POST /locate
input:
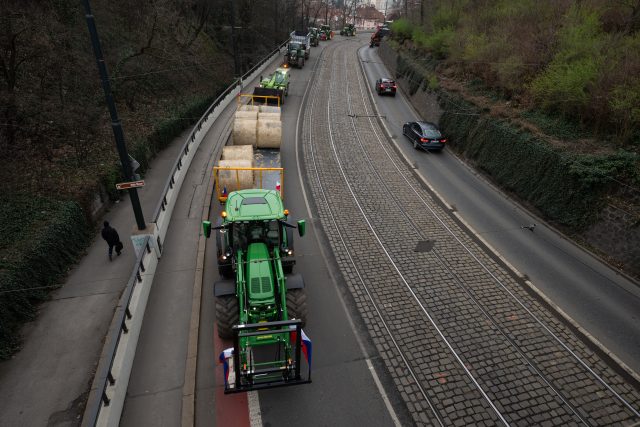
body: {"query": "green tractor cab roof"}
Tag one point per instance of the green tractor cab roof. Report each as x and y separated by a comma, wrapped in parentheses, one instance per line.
(253, 205)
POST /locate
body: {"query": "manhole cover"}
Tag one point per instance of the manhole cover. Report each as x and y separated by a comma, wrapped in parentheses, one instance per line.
(424, 246)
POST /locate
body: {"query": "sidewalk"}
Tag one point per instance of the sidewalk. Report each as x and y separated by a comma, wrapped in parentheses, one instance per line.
(46, 383)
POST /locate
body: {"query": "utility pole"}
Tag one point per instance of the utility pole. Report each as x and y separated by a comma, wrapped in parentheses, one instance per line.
(115, 121)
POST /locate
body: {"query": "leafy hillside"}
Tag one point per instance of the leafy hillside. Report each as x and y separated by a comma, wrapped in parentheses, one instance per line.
(575, 62)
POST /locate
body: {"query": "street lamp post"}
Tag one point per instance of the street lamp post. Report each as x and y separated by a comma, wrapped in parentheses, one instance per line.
(115, 121)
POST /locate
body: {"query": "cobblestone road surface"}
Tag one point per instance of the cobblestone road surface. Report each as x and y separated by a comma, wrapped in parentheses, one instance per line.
(464, 341)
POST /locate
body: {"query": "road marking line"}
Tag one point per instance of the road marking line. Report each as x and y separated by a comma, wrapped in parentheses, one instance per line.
(255, 415)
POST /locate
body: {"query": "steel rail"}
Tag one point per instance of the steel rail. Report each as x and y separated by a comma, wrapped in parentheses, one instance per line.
(378, 132)
(402, 277)
(406, 362)
(316, 89)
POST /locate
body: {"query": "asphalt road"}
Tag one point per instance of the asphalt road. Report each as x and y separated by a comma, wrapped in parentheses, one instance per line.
(601, 300)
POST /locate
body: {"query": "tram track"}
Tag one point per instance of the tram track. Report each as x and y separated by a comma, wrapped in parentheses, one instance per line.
(380, 195)
(380, 137)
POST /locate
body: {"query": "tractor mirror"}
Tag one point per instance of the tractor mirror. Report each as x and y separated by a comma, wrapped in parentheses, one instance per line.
(206, 228)
(302, 227)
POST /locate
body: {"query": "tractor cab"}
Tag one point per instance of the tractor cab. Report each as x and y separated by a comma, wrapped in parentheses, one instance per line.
(281, 76)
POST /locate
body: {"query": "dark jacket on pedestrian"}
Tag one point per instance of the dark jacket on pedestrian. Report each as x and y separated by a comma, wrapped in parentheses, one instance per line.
(110, 234)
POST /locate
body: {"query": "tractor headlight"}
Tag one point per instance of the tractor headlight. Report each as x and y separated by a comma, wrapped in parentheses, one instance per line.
(289, 252)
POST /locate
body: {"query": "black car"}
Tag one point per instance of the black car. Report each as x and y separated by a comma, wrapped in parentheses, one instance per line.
(424, 135)
(386, 87)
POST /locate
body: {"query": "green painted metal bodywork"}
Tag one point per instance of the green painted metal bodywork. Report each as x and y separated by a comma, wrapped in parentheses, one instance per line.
(255, 231)
(278, 80)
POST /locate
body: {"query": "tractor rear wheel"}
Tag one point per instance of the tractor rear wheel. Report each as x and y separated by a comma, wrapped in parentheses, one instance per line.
(297, 305)
(227, 315)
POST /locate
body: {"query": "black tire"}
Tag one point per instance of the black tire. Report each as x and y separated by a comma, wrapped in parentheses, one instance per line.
(297, 305)
(227, 315)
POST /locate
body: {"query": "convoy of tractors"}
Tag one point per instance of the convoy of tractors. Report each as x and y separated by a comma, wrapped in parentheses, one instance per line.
(261, 305)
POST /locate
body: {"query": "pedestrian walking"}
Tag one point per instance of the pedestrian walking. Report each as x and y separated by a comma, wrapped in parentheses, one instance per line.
(113, 240)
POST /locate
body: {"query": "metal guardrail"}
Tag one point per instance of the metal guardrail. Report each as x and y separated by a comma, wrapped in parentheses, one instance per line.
(118, 327)
(104, 377)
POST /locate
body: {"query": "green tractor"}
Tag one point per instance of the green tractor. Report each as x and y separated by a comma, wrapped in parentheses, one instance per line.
(348, 30)
(295, 54)
(325, 32)
(264, 308)
(275, 86)
(314, 36)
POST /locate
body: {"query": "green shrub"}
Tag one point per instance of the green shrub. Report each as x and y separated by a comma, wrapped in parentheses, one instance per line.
(39, 239)
(401, 29)
(555, 125)
(447, 15)
(564, 86)
(431, 83)
(437, 43)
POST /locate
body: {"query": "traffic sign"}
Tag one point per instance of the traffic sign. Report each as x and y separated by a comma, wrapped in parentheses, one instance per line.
(132, 184)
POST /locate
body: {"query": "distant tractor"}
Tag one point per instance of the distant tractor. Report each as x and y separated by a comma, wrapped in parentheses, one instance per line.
(348, 30)
(326, 30)
(304, 38)
(295, 54)
(314, 37)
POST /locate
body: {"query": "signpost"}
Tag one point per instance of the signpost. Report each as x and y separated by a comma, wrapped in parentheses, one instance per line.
(128, 185)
